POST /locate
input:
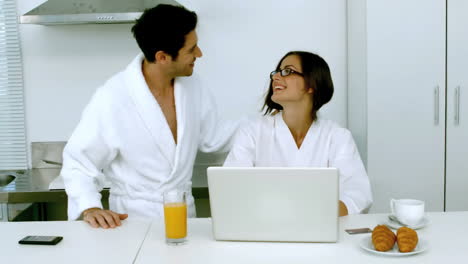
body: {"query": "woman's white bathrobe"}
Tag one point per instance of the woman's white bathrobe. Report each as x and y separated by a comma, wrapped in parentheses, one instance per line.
(268, 142)
(124, 135)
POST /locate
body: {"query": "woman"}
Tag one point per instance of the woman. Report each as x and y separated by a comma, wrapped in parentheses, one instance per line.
(291, 135)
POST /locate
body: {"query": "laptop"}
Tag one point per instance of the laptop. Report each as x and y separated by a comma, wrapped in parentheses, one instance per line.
(279, 204)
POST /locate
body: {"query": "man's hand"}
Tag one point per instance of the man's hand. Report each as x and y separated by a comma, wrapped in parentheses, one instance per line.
(98, 217)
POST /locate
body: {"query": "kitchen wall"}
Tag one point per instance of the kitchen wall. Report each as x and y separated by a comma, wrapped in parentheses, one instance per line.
(357, 74)
(242, 42)
(63, 66)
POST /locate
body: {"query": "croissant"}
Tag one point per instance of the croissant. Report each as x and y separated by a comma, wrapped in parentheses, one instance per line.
(407, 239)
(383, 238)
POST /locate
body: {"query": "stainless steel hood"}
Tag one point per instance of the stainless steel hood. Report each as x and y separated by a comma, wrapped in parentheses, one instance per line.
(69, 12)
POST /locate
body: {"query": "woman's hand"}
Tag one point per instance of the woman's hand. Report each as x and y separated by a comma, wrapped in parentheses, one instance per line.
(98, 217)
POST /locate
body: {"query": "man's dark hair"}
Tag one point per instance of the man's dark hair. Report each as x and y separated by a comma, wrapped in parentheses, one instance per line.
(164, 28)
(316, 76)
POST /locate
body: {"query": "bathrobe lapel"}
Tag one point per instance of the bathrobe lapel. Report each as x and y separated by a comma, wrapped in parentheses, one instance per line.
(149, 111)
(295, 157)
(285, 141)
(181, 109)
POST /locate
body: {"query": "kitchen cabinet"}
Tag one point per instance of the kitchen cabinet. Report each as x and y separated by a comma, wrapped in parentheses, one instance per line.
(18, 212)
(457, 106)
(406, 101)
(417, 53)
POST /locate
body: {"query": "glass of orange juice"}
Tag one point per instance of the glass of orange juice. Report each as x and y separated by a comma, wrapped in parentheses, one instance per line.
(175, 217)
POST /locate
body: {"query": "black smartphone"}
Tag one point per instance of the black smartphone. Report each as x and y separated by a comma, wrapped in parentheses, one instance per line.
(41, 240)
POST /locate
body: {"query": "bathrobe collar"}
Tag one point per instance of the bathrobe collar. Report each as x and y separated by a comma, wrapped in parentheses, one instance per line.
(296, 156)
(150, 112)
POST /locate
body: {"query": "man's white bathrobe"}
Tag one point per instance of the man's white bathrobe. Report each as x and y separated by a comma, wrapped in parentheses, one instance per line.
(268, 142)
(123, 134)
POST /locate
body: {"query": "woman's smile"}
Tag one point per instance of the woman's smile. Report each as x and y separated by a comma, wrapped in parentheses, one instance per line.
(277, 87)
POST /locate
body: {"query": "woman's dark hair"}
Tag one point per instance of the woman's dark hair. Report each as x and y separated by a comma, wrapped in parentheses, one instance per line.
(316, 76)
(164, 28)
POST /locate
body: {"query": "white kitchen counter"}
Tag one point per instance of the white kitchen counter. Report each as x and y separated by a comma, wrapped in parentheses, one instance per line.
(446, 235)
(142, 242)
(81, 243)
(57, 184)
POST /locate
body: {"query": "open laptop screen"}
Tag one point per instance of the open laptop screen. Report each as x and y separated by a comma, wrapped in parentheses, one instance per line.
(274, 203)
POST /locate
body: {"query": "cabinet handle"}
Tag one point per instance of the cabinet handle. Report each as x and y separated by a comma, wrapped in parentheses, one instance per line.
(436, 105)
(457, 106)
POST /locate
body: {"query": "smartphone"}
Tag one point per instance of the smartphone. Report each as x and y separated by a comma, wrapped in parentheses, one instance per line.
(358, 231)
(41, 240)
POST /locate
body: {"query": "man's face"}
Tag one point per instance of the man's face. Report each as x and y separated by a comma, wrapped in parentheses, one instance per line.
(183, 65)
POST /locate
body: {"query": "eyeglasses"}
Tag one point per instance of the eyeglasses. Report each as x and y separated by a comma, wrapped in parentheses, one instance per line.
(285, 72)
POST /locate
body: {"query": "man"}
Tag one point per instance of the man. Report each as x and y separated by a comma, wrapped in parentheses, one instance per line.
(143, 127)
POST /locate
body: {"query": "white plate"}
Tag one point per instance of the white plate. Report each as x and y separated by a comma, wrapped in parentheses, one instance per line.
(396, 225)
(366, 244)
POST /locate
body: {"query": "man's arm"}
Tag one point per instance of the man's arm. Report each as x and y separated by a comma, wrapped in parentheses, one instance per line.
(242, 153)
(216, 134)
(88, 150)
(98, 217)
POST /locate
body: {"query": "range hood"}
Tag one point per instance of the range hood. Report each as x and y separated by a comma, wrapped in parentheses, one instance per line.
(69, 12)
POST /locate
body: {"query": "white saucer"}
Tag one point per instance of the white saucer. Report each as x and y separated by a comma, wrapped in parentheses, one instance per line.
(366, 244)
(395, 225)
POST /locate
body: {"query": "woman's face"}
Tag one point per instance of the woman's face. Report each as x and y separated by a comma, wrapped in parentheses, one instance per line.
(291, 88)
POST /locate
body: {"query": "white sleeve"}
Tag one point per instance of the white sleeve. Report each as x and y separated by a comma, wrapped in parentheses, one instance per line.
(85, 155)
(242, 153)
(215, 134)
(355, 190)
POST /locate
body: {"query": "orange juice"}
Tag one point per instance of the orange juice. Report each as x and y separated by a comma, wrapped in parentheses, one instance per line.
(175, 216)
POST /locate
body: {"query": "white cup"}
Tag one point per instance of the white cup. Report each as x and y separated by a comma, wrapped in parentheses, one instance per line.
(408, 211)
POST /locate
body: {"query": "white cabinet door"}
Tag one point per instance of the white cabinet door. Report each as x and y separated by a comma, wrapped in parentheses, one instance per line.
(406, 101)
(457, 106)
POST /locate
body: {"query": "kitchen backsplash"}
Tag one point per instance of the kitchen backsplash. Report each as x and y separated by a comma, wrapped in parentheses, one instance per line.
(52, 152)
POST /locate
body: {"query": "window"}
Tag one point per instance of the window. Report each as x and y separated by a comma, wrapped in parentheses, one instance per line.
(13, 153)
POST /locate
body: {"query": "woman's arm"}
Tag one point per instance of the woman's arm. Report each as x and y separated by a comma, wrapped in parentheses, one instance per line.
(355, 190)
